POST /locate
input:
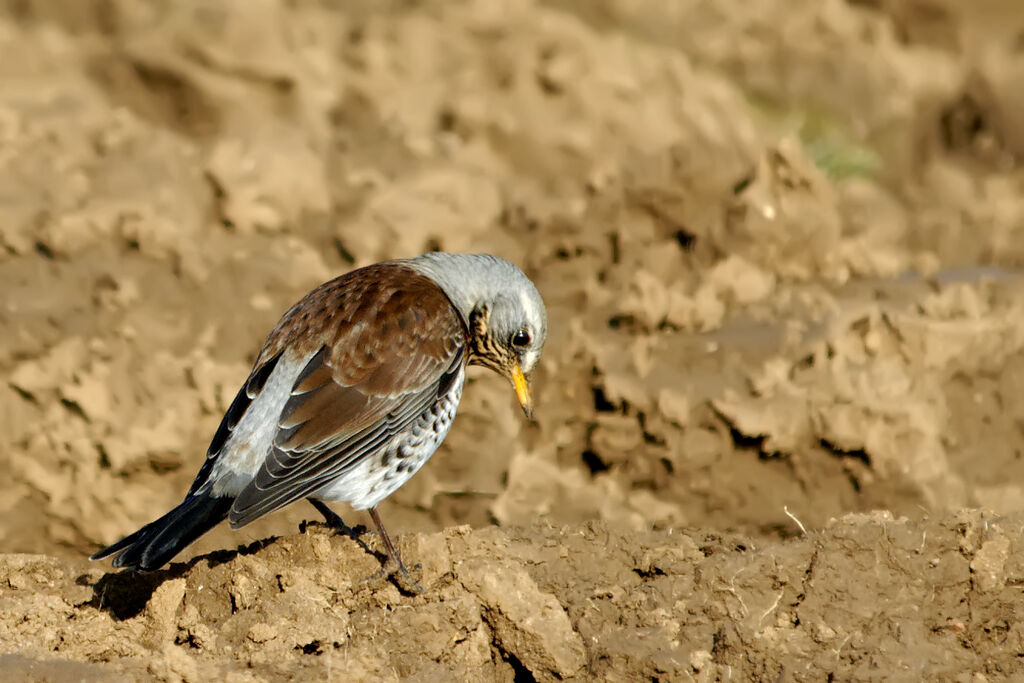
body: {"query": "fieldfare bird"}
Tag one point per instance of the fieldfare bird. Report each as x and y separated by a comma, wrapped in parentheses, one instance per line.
(352, 392)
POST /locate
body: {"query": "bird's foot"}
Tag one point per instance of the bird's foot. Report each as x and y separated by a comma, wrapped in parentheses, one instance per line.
(411, 587)
(403, 579)
(334, 521)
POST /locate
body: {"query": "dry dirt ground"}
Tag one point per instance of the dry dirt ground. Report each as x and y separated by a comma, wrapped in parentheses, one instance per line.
(781, 407)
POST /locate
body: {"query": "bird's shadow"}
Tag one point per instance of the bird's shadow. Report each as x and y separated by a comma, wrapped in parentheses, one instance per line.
(355, 533)
(124, 594)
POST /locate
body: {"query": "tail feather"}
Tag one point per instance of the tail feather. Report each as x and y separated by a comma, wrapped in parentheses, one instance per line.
(155, 544)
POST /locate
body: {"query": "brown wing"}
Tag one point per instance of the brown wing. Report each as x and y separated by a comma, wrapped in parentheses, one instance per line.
(388, 338)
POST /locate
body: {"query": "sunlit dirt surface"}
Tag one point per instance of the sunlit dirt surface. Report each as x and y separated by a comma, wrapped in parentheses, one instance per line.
(779, 423)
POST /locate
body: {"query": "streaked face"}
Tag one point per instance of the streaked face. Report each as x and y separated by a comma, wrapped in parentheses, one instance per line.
(508, 338)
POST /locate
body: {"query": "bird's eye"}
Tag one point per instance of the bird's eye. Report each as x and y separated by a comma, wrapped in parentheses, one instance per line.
(521, 339)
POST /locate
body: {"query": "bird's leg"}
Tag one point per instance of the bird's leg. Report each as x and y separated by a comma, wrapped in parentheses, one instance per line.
(335, 522)
(331, 517)
(388, 545)
(392, 550)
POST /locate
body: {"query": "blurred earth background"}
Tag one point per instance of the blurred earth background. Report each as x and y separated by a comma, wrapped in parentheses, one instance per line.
(780, 410)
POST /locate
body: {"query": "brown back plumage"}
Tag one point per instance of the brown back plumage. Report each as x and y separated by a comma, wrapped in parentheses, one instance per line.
(367, 316)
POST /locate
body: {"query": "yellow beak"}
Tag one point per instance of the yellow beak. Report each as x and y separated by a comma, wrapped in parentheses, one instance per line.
(522, 389)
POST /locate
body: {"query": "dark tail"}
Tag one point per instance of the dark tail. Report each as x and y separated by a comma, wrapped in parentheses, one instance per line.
(155, 544)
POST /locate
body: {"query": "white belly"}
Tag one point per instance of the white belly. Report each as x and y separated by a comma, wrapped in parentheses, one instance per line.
(380, 474)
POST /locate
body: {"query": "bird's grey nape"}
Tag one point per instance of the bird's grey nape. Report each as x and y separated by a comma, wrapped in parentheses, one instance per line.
(471, 279)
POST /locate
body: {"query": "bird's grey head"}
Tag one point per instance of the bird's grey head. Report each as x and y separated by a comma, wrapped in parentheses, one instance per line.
(501, 307)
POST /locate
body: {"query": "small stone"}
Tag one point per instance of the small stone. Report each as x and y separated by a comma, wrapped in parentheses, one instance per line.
(261, 632)
(988, 565)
